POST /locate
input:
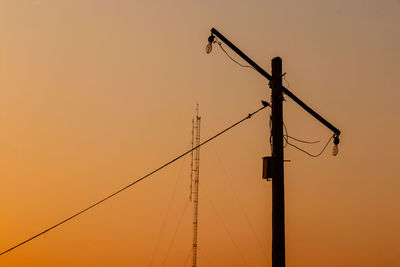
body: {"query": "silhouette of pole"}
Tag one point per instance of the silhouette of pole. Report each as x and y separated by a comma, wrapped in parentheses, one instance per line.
(278, 196)
(278, 192)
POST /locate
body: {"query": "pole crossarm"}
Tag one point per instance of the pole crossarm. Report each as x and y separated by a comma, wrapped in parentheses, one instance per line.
(269, 77)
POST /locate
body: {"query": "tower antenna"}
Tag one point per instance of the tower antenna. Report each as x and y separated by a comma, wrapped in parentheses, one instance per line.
(194, 184)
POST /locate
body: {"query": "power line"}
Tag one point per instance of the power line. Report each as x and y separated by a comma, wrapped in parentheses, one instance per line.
(296, 139)
(131, 184)
(308, 153)
(286, 137)
(231, 58)
(302, 141)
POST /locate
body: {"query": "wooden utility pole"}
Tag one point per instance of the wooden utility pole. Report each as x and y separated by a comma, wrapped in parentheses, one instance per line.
(278, 196)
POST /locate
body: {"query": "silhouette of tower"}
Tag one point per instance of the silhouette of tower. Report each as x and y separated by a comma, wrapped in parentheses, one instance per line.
(194, 177)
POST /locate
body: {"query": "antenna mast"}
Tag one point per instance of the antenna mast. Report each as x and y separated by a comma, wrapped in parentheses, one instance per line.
(194, 192)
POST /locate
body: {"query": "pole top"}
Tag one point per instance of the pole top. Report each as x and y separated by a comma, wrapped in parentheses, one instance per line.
(276, 64)
(277, 60)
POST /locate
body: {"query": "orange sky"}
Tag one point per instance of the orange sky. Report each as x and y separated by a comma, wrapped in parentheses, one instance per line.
(95, 94)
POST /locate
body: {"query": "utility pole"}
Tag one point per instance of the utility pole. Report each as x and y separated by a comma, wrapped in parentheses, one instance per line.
(278, 196)
(276, 161)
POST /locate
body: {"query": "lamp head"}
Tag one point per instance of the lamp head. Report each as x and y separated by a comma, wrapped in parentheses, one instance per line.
(336, 141)
(209, 45)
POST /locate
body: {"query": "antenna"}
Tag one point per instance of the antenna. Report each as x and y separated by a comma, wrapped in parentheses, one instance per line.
(194, 180)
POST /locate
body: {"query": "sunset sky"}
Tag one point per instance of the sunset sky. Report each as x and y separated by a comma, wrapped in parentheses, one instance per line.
(95, 94)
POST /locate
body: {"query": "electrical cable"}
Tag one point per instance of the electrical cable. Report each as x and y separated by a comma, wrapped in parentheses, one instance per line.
(296, 139)
(131, 184)
(308, 153)
(286, 138)
(284, 78)
(302, 141)
(231, 58)
(270, 133)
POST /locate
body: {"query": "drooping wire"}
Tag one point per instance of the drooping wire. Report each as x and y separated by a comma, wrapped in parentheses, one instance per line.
(302, 141)
(296, 139)
(308, 153)
(131, 184)
(286, 138)
(270, 133)
(231, 58)
(284, 78)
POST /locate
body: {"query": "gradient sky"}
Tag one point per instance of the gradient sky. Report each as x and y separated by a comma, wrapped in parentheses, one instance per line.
(95, 94)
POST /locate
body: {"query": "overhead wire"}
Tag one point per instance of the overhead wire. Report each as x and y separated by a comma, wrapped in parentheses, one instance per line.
(308, 153)
(288, 84)
(286, 138)
(131, 184)
(302, 141)
(270, 133)
(231, 58)
(296, 139)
